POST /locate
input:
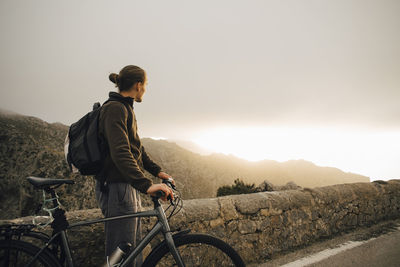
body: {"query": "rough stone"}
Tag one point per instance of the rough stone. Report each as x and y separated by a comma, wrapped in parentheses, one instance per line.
(216, 222)
(261, 224)
(299, 198)
(266, 186)
(201, 209)
(270, 212)
(252, 203)
(228, 209)
(247, 227)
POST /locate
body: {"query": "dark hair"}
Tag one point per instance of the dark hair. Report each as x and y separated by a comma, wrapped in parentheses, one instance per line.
(127, 77)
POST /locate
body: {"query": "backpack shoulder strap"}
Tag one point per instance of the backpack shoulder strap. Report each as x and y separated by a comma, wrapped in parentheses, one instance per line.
(130, 119)
(102, 176)
(128, 108)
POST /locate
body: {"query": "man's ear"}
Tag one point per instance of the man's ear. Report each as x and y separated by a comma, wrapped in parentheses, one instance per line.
(136, 86)
(139, 86)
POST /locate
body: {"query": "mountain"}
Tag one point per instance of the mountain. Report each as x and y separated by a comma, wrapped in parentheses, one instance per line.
(32, 147)
(200, 176)
(191, 146)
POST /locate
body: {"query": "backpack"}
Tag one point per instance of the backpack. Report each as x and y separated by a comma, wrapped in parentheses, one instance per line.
(85, 150)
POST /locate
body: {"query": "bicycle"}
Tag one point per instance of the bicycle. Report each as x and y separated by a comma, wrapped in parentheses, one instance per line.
(178, 249)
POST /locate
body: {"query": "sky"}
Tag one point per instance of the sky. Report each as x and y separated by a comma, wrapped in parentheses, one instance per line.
(287, 79)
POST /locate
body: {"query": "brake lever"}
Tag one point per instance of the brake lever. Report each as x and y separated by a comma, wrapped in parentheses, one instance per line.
(169, 182)
(160, 194)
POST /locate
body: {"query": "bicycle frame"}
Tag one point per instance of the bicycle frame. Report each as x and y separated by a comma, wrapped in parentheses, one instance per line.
(161, 226)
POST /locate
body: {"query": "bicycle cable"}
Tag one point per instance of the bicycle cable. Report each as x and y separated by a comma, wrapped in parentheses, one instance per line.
(44, 207)
(177, 203)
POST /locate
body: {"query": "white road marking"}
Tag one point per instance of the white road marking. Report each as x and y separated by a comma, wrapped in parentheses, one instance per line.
(325, 254)
(317, 257)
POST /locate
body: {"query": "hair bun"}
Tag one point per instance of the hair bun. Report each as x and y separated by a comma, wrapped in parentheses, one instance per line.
(114, 78)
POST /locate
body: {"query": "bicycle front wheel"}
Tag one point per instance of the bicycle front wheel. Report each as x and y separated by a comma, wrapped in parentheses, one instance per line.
(196, 250)
(15, 253)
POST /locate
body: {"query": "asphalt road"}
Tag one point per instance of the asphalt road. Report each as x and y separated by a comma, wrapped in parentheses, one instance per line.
(378, 245)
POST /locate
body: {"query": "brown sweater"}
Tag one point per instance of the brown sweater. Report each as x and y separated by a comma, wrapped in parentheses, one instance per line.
(127, 158)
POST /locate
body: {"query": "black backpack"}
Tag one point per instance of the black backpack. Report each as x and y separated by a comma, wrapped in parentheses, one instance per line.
(85, 150)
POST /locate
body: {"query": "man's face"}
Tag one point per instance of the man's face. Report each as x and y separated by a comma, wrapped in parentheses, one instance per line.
(141, 91)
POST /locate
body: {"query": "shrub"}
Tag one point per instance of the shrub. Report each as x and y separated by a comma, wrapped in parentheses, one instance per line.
(238, 188)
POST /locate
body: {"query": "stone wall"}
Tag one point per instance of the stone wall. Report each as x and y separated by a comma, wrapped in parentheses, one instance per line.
(262, 224)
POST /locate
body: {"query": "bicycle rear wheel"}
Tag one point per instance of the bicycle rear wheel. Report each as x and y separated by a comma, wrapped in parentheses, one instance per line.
(196, 250)
(15, 253)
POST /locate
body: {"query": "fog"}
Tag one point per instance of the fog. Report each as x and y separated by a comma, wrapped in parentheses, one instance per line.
(244, 64)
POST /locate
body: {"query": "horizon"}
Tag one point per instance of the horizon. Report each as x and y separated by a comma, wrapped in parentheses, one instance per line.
(197, 146)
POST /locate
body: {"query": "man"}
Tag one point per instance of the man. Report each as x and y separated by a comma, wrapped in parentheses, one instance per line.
(122, 175)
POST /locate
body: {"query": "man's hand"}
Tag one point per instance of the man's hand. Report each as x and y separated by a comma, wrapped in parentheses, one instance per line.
(153, 189)
(165, 176)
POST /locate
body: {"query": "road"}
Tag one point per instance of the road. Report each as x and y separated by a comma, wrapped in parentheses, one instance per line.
(378, 245)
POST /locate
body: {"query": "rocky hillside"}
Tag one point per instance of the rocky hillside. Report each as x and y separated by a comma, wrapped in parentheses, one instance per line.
(200, 176)
(32, 147)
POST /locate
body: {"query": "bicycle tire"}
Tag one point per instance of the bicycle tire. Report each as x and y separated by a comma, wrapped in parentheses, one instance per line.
(16, 253)
(196, 250)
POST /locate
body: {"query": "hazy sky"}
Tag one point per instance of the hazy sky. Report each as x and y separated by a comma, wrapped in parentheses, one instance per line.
(325, 74)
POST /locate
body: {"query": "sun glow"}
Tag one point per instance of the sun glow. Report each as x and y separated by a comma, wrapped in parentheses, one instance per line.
(158, 138)
(368, 153)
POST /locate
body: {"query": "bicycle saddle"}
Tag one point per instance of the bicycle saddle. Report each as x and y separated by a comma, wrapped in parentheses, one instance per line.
(47, 182)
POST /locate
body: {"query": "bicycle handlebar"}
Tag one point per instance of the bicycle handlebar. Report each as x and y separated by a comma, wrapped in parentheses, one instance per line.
(168, 182)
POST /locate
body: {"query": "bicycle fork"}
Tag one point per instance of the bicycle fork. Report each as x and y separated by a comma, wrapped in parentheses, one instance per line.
(174, 251)
(168, 237)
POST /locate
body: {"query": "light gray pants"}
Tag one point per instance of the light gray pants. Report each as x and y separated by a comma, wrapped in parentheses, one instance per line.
(120, 199)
